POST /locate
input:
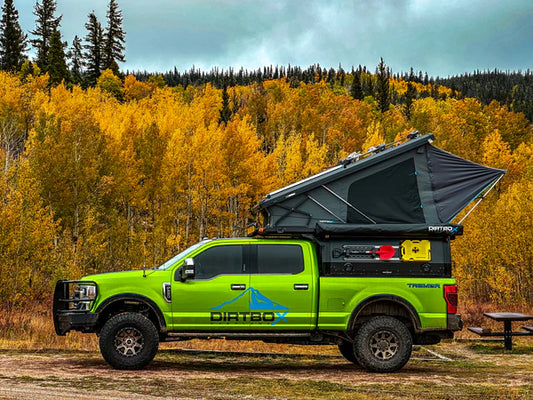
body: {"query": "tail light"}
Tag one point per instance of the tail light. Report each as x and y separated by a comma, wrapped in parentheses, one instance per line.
(450, 295)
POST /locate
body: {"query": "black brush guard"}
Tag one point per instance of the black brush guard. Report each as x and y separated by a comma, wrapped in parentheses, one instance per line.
(67, 309)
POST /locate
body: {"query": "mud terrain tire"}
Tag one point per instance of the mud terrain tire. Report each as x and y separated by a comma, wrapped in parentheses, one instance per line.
(129, 341)
(383, 344)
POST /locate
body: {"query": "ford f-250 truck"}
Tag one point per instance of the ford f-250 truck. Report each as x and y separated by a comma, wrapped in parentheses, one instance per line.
(358, 256)
(265, 289)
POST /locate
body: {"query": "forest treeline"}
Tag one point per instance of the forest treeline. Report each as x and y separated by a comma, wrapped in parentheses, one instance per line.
(103, 47)
(511, 88)
(130, 173)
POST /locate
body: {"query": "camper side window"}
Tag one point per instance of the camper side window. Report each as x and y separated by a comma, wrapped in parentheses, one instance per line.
(279, 259)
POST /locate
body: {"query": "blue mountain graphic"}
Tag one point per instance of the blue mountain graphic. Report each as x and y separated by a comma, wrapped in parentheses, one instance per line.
(231, 301)
(257, 301)
(260, 302)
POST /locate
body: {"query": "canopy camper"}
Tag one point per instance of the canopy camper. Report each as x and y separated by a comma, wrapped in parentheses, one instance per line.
(411, 187)
(385, 213)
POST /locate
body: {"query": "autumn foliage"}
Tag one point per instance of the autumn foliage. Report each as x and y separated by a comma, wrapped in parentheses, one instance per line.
(130, 173)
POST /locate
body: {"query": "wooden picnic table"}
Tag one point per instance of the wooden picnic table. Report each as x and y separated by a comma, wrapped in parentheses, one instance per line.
(507, 318)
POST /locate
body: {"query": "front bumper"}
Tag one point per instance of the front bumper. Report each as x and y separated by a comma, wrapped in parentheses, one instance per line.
(72, 312)
(76, 321)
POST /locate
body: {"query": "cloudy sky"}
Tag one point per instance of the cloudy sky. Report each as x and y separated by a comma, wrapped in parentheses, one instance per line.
(442, 37)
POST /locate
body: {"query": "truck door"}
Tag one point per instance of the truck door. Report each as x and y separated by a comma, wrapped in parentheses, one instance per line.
(281, 287)
(217, 297)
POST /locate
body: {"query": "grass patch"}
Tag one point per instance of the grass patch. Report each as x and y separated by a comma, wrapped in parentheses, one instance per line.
(253, 387)
(29, 378)
(497, 348)
(216, 375)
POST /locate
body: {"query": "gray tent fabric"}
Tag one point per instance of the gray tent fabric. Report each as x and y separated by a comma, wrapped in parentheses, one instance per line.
(411, 183)
(456, 181)
(393, 188)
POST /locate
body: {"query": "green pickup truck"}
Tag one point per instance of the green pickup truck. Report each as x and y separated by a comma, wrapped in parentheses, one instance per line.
(261, 289)
(357, 256)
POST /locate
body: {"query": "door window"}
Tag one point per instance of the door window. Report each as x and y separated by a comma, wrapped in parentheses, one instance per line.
(279, 259)
(219, 260)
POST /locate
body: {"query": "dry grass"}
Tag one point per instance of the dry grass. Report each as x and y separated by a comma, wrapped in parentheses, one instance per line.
(23, 330)
(32, 329)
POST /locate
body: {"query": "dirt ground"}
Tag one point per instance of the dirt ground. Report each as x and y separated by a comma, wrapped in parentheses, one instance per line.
(454, 370)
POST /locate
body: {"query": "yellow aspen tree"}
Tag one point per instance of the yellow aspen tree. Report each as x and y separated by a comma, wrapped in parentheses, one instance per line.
(28, 262)
(374, 136)
(315, 157)
(496, 152)
(135, 90)
(110, 83)
(67, 152)
(247, 171)
(294, 161)
(207, 180)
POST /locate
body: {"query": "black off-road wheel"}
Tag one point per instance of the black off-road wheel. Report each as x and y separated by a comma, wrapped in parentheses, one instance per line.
(383, 344)
(346, 349)
(129, 341)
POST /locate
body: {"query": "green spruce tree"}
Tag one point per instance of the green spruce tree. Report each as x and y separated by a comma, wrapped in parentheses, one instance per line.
(225, 112)
(12, 39)
(356, 91)
(331, 78)
(57, 66)
(75, 56)
(382, 86)
(114, 39)
(341, 75)
(93, 54)
(46, 25)
(409, 98)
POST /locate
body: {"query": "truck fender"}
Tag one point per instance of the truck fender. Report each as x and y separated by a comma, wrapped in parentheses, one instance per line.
(108, 303)
(404, 304)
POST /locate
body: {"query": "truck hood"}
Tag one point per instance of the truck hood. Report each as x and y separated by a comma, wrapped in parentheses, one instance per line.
(123, 275)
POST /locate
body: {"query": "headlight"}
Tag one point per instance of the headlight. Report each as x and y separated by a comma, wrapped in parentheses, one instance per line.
(85, 293)
(88, 291)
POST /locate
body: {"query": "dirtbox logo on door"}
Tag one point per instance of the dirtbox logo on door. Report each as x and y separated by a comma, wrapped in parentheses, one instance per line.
(262, 309)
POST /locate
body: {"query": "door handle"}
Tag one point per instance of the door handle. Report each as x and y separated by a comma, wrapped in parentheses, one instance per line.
(301, 286)
(238, 287)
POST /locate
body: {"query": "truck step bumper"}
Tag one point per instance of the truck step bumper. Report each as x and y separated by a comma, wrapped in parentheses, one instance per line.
(67, 321)
(455, 323)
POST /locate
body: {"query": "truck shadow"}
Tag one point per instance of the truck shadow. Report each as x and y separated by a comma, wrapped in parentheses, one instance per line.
(228, 363)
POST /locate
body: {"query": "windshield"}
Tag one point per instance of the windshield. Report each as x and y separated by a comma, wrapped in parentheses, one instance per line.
(183, 254)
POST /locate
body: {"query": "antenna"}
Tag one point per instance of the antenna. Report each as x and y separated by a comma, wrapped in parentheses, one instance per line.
(144, 259)
(144, 251)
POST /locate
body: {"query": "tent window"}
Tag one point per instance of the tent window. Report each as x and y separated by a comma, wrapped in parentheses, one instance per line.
(387, 196)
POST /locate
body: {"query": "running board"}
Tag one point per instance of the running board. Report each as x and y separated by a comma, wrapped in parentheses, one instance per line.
(231, 335)
(269, 337)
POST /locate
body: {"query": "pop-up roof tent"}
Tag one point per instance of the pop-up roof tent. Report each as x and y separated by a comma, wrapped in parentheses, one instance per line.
(409, 187)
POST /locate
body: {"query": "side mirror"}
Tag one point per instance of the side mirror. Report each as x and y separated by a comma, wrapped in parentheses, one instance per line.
(187, 270)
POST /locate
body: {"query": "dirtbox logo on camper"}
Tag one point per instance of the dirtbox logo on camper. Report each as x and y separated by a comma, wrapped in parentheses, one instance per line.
(262, 309)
